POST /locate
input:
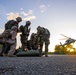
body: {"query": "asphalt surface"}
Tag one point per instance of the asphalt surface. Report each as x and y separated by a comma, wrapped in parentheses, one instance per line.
(52, 65)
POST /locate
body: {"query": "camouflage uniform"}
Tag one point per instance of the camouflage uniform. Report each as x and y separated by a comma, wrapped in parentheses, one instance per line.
(25, 33)
(43, 38)
(11, 23)
(34, 42)
(24, 41)
(12, 41)
(3, 40)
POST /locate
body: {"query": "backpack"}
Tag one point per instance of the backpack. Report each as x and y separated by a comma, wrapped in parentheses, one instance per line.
(6, 34)
(9, 24)
(47, 32)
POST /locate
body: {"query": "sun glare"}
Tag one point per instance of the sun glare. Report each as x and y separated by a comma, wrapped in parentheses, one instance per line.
(71, 50)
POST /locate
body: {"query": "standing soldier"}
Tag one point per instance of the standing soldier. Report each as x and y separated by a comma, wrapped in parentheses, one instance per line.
(25, 33)
(43, 38)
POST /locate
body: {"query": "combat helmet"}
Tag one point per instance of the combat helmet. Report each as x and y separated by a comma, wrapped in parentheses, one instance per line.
(19, 19)
(38, 27)
(28, 22)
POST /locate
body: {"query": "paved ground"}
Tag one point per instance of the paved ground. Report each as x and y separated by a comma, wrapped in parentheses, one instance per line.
(52, 65)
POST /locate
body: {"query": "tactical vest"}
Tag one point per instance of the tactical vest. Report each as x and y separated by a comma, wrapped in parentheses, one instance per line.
(10, 23)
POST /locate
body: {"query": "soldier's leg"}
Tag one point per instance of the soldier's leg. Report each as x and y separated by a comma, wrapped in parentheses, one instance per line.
(46, 50)
(22, 42)
(2, 51)
(47, 42)
(29, 45)
(2, 47)
(23, 46)
(12, 50)
(7, 48)
(40, 50)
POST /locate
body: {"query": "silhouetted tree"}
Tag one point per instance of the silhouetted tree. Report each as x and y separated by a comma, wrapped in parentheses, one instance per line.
(59, 49)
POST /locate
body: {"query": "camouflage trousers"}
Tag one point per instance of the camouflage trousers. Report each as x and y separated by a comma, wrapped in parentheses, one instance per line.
(3, 42)
(41, 47)
(12, 49)
(24, 46)
(24, 41)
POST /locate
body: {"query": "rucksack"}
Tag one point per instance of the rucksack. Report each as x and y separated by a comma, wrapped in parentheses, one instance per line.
(47, 32)
(9, 24)
(6, 34)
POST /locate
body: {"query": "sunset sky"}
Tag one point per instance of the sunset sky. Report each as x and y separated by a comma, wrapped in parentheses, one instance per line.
(59, 16)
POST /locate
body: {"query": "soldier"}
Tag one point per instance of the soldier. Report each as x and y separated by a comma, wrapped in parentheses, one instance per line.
(43, 38)
(34, 42)
(11, 23)
(25, 33)
(9, 41)
(12, 41)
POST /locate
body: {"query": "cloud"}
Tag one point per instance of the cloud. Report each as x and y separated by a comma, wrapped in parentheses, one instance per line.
(29, 18)
(43, 8)
(30, 12)
(12, 15)
(28, 15)
(25, 15)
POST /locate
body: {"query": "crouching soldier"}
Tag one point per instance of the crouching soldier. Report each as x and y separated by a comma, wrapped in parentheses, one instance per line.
(43, 38)
(12, 41)
(3, 40)
(8, 40)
